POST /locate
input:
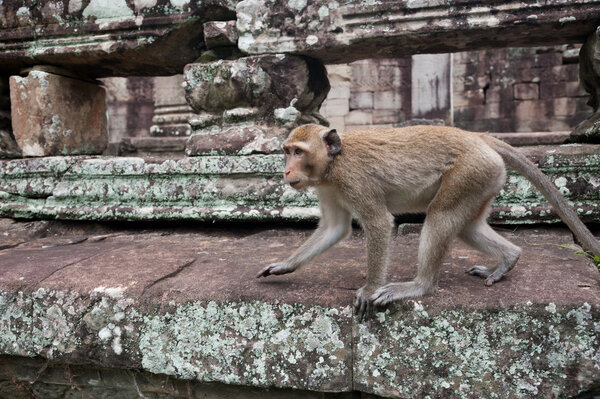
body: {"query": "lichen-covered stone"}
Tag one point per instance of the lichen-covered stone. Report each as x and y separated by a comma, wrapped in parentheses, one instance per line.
(197, 313)
(237, 140)
(248, 187)
(106, 37)
(220, 34)
(343, 31)
(266, 82)
(57, 115)
(247, 105)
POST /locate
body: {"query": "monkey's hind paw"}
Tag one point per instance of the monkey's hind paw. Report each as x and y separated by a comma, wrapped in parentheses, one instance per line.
(275, 268)
(479, 271)
(490, 276)
(395, 291)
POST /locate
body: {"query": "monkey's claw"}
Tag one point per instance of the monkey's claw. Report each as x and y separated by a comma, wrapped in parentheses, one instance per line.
(363, 306)
(274, 268)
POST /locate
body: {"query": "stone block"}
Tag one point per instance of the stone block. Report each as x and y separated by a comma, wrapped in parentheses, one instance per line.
(339, 90)
(335, 107)
(266, 82)
(526, 91)
(469, 98)
(339, 72)
(237, 140)
(387, 100)
(529, 75)
(337, 122)
(220, 34)
(58, 115)
(357, 117)
(364, 76)
(361, 100)
(562, 89)
(387, 116)
(531, 109)
(564, 106)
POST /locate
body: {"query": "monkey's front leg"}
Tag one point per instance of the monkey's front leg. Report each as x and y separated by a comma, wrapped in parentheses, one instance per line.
(378, 230)
(334, 226)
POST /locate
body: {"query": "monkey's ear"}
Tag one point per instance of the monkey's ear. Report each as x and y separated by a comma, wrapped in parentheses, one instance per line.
(333, 143)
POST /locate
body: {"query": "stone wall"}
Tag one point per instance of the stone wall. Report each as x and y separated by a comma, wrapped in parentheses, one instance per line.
(500, 90)
(130, 104)
(375, 93)
(518, 90)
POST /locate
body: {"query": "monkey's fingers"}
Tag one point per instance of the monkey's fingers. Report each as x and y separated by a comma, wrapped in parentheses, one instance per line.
(275, 268)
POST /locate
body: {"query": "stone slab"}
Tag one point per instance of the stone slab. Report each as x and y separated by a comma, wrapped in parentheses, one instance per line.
(236, 188)
(340, 32)
(184, 302)
(57, 115)
(106, 38)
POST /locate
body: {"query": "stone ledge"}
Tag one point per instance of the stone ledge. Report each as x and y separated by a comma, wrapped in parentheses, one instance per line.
(196, 312)
(244, 188)
(343, 32)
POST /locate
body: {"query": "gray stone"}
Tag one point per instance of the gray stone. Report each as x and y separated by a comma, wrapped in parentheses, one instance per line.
(220, 34)
(339, 32)
(257, 81)
(249, 187)
(248, 105)
(57, 115)
(100, 38)
(82, 308)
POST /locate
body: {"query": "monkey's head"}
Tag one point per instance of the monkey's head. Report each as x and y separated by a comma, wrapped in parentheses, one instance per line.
(308, 151)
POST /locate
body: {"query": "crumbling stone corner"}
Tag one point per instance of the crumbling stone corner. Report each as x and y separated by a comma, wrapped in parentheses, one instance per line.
(247, 105)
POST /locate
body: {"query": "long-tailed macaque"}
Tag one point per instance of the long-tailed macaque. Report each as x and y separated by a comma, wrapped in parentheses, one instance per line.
(450, 174)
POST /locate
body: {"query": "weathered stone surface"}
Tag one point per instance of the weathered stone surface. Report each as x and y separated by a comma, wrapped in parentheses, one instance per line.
(244, 188)
(341, 32)
(106, 38)
(247, 104)
(533, 334)
(53, 115)
(171, 113)
(21, 377)
(589, 72)
(130, 104)
(220, 34)
(237, 140)
(266, 82)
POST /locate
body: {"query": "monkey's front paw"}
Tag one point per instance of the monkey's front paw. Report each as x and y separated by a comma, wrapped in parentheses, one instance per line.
(363, 305)
(394, 291)
(275, 268)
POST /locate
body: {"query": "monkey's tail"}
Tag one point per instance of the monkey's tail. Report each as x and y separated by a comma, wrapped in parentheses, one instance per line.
(524, 166)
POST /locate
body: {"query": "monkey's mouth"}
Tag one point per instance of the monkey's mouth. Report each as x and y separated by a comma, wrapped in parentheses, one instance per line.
(294, 183)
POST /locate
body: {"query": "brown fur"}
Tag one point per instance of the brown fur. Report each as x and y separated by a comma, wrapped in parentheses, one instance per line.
(450, 174)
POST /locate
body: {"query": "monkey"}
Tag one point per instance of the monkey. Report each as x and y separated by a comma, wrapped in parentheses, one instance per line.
(449, 174)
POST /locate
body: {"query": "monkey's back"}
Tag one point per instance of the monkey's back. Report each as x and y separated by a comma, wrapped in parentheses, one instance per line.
(409, 162)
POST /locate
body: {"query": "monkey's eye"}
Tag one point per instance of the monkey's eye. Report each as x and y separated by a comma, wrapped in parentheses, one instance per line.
(286, 151)
(298, 151)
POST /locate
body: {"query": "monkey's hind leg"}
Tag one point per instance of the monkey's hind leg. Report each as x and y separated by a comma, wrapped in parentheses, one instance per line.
(436, 235)
(482, 237)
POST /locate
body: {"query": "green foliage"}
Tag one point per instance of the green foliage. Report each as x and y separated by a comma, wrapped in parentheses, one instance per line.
(594, 258)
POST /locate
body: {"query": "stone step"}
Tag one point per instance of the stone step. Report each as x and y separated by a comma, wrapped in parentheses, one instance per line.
(237, 188)
(185, 303)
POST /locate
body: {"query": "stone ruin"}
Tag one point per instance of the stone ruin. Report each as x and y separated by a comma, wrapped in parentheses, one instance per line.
(253, 70)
